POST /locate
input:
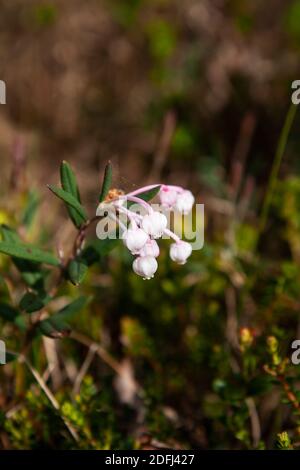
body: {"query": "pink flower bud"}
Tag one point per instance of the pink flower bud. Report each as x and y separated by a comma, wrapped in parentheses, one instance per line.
(180, 251)
(184, 202)
(145, 266)
(154, 224)
(135, 239)
(168, 197)
(150, 248)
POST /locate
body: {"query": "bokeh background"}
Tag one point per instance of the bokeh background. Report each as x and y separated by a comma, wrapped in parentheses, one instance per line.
(189, 92)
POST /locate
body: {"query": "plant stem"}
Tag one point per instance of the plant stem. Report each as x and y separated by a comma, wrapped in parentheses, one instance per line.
(23, 359)
(281, 147)
(81, 235)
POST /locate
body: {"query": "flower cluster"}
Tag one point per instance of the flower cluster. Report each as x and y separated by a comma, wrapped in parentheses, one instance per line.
(143, 231)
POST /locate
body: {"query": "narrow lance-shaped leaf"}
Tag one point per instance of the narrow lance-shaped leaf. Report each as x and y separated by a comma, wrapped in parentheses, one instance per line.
(107, 180)
(32, 302)
(12, 315)
(56, 326)
(31, 208)
(31, 272)
(68, 180)
(67, 312)
(77, 270)
(69, 184)
(69, 200)
(28, 252)
(146, 195)
(150, 194)
(10, 357)
(97, 249)
(8, 234)
(7, 312)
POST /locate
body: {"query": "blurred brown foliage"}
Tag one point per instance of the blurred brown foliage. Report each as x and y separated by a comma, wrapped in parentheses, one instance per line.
(93, 80)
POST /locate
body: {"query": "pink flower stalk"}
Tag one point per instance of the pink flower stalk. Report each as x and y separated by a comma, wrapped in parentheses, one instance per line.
(152, 186)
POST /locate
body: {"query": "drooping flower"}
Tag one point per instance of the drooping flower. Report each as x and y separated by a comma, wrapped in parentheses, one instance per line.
(154, 224)
(184, 202)
(140, 237)
(168, 197)
(135, 239)
(145, 266)
(150, 248)
(180, 251)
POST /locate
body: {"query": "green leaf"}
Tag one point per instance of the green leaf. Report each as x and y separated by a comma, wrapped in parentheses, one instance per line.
(32, 302)
(68, 180)
(67, 312)
(98, 249)
(11, 314)
(146, 195)
(107, 180)
(54, 328)
(150, 194)
(21, 323)
(90, 255)
(31, 208)
(77, 270)
(259, 385)
(7, 312)
(10, 357)
(69, 184)
(103, 247)
(8, 234)
(69, 200)
(31, 272)
(28, 252)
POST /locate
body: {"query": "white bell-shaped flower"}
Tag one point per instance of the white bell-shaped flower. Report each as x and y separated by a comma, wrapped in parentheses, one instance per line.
(184, 202)
(180, 251)
(154, 224)
(150, 248)
(168, 197)
(145, 266)
(135, 239)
